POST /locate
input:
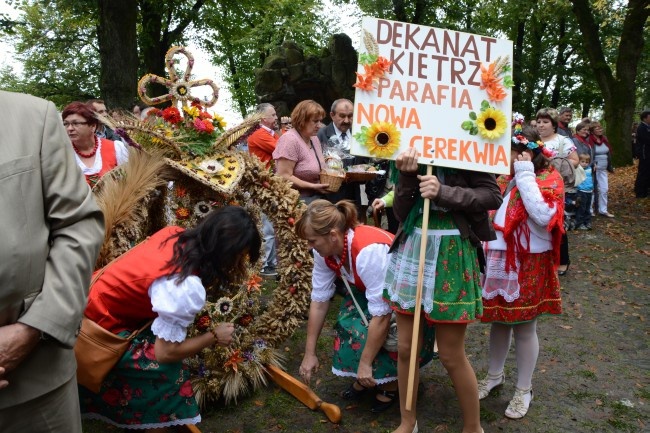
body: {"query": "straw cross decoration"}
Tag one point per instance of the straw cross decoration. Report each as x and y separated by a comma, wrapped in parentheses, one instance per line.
(179, 88)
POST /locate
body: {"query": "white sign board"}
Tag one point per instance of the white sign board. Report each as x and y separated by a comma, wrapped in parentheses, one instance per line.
(445, 93)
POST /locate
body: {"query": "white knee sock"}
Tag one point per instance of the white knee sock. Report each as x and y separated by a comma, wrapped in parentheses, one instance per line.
(527, 350)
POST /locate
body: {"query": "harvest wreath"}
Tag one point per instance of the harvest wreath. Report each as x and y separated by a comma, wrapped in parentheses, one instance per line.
(138, 199)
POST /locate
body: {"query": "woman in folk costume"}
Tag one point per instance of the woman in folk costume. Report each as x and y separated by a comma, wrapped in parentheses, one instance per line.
(165, 278)
(359, 254)
(95, 156)
(521, 281)
(459, 201)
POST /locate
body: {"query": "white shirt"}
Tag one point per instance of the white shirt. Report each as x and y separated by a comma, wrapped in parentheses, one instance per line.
(176, 305)
(121, 154)
(371, 265)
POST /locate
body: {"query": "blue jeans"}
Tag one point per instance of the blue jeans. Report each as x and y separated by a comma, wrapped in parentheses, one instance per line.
(268, 233)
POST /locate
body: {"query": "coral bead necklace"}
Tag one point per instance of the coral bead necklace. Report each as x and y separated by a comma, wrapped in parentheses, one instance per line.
(91, 153)
(331, 262)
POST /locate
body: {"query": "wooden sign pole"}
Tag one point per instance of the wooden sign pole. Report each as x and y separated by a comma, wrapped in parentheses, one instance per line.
(414, 359)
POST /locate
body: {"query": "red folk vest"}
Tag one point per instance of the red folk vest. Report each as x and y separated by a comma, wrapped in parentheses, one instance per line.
(109, 161)
(119, 299)
(364, 236)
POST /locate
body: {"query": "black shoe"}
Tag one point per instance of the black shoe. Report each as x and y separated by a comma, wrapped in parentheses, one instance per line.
(351, 393)
(563, 273)
(381, 406)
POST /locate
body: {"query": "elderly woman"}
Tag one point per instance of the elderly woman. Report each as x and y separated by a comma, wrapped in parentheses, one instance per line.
(95, 156)
(298, 154)
(358, 253)
(165, 278)
(547, 122)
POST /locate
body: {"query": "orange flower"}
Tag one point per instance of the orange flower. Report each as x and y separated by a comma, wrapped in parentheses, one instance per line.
(181, 192)
(234, 360)
(383, 63)
(182, 213)
(364, 82)
(209, 127)
(488, 78)
(254, 283)
(496, 93)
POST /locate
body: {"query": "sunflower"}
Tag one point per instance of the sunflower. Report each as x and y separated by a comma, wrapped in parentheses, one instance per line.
(491, 123)
(382, 139)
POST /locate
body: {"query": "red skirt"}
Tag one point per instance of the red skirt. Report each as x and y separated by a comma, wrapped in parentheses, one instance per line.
(539, 293)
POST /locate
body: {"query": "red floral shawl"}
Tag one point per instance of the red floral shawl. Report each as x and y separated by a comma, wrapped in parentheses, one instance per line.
(552, 189)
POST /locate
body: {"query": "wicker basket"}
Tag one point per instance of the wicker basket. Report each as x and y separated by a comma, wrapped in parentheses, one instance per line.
(334, 180)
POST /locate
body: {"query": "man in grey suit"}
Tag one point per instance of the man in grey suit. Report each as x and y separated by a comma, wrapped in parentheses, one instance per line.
(51, 231)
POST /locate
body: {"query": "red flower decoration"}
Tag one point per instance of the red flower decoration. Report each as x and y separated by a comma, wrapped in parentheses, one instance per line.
(204, 323)
(172, 115)
(112, 397)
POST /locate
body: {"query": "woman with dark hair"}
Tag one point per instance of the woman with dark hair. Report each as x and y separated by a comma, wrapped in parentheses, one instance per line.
(547, 122)
(298, 153)
(345, 248)
(165, 279)
(520, 282)
(95, 156)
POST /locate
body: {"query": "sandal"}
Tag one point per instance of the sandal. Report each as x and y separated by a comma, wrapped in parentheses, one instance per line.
(351, 393)
(381, 406)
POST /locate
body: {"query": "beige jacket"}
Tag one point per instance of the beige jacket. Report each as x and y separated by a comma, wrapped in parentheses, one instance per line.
(50, 230)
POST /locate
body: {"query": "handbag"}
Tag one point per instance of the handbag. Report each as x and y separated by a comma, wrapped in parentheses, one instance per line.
(390, 344)
(97, 351)
(566, 169)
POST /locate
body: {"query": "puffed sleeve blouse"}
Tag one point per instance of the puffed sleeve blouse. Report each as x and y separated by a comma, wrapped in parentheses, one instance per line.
(371, 264)
(176, 305)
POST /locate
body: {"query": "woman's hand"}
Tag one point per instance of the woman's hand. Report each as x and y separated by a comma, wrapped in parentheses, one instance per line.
(364, 375)
(524, 156)
(378, 204)
(407, 161)
(309, 364)
(429, 186)
(223, 333)
(320, 188)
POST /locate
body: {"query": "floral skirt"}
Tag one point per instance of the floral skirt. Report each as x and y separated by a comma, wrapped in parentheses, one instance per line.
(350, 340)
(510, 297)
(451, 291)
(140, 393)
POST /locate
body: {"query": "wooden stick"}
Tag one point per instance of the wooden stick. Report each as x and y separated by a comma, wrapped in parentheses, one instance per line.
(303, 393)
(414, 359)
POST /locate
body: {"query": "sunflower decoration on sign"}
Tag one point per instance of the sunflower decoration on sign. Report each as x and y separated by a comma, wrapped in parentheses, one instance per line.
(490, 123)
(382, 139)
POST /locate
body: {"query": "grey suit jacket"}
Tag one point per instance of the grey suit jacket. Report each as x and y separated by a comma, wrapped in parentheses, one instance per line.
(51, 230)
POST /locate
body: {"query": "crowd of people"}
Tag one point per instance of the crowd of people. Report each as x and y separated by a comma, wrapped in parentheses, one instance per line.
(495, 249)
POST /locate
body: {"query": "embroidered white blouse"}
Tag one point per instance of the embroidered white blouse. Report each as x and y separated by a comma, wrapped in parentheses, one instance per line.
(176, 305)
(539, 212)
(371, 265)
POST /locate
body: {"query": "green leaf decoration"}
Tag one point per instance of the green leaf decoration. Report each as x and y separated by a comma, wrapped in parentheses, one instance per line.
(474, 130)
(484, 105)
(508, 81)
(467, 125)
(472, 115)
(367, 59)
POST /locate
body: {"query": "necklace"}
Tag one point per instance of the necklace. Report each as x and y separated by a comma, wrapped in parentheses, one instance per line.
(331, 262)
(91, 153)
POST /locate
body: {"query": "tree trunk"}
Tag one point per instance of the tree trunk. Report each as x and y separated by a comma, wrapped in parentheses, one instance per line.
(118, 52)
(618, 91)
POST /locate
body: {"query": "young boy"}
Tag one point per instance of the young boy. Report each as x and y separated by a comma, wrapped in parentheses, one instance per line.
(584, 193)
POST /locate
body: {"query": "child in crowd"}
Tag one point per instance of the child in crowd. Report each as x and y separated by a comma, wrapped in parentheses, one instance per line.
(584, 195)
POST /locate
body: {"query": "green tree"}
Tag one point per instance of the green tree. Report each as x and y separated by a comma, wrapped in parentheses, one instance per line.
(618, 86)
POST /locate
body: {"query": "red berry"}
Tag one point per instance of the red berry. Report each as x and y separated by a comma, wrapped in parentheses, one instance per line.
(292, 290)
(291, 221)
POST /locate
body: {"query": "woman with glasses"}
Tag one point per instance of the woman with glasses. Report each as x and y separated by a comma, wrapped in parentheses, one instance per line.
(95, 156)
